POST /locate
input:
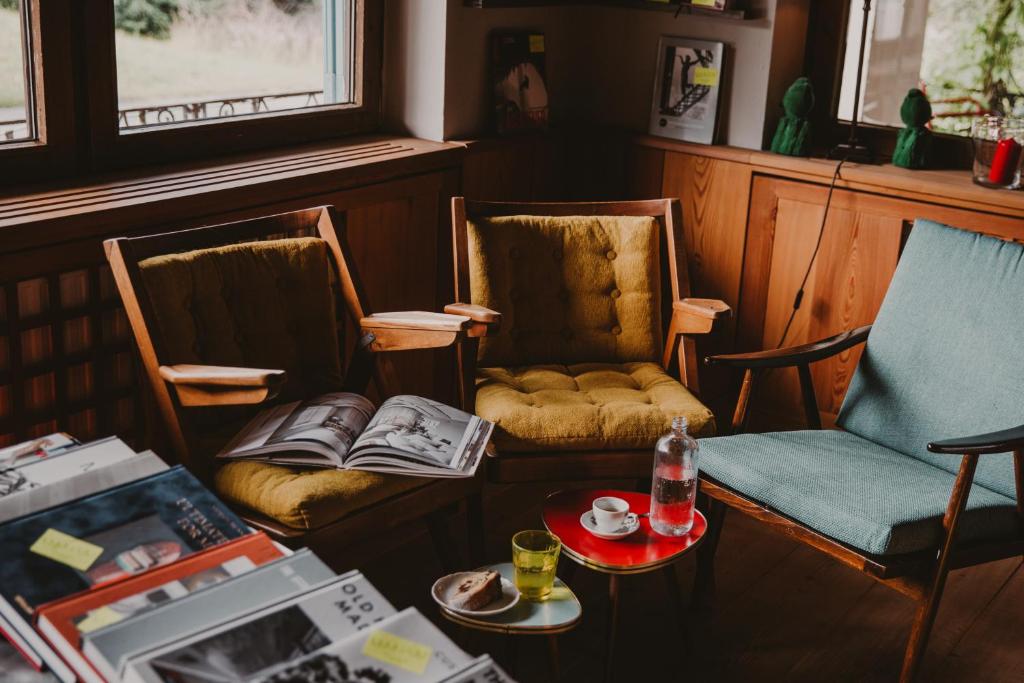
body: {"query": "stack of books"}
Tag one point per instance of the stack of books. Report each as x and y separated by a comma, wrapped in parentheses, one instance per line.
(117, 567)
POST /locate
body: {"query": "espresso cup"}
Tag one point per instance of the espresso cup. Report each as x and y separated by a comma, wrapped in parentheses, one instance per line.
(609, 512)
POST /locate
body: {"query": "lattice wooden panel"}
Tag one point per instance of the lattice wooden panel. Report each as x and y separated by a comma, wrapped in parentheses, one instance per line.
(66, 362)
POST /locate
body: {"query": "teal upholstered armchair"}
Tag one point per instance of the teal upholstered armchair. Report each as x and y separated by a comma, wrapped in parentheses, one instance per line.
(901, 492)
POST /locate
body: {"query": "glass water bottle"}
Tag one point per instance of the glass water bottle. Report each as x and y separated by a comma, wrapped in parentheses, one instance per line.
(674, 484)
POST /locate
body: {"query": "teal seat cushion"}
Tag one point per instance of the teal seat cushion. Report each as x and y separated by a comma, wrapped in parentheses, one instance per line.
(860, 493)
(945, 357)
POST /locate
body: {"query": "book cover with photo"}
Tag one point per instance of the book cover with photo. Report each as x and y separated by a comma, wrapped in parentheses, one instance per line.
(687, 85)
(64, 621)
(33, 483)
(406, 435)
(518, 68)
(108, 648)
(63, 550)
(241, 648)
(403, 648)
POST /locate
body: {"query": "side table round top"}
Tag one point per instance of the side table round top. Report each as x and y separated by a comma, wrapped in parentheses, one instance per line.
(642, 551)
(559, 613)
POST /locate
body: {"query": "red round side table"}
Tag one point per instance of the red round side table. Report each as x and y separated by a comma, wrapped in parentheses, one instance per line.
(642, 551)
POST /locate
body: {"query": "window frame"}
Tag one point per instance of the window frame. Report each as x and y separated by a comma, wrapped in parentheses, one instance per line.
(51, 151)
(824, 54)
(110, 147)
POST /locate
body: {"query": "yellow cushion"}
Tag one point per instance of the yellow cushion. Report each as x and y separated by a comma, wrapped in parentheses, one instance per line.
(585, 406)
(306, 499)
(258, 304)
(570, 289)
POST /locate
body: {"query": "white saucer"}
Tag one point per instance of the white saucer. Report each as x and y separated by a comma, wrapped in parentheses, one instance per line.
(630, 524)
(445, 587)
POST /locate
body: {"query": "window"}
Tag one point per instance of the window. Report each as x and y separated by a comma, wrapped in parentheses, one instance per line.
(17, 115)
(89, 85)
(181, 61)
(968, 57)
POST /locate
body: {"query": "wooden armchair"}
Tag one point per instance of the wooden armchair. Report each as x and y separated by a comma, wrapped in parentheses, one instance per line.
(228, 319)
(596, 314)
(886, 495)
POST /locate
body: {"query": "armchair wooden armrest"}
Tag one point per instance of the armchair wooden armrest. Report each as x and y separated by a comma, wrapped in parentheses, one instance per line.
(697, 316)
(478, 314)
(992, 442)
(216, 385)
(794, 355)
(407, 330)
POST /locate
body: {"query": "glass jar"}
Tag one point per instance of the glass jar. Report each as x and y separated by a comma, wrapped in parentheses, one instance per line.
(674, 482)
(998, 143)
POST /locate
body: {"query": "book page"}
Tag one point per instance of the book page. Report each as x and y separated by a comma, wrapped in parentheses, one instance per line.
(332, 421)
(420, 429)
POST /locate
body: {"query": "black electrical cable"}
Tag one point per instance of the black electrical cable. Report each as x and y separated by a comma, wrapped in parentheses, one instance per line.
(798, 299)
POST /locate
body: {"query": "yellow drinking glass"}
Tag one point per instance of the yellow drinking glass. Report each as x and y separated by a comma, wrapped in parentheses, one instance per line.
(535, 558)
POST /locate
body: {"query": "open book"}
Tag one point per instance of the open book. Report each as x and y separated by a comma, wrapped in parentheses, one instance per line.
(406, 435)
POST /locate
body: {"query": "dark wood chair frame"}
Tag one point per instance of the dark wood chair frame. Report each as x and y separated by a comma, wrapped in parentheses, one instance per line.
(181, 389)
(687, 317)
(920, 576)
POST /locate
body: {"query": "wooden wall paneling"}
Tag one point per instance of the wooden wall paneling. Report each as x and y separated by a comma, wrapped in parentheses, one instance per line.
(863, 238)
(645, 168)
(714, 194)
(500, 170)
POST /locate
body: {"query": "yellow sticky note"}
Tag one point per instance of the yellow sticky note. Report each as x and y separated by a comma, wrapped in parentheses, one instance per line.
(705, 3)
(705, 75)
(401, 652)
(98, 618)
(66, 549)
(536, 42)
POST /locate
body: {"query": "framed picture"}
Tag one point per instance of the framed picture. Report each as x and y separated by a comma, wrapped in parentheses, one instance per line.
(687, 85)
(518, 81)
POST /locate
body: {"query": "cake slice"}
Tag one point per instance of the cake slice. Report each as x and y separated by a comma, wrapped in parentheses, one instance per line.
(476, 591)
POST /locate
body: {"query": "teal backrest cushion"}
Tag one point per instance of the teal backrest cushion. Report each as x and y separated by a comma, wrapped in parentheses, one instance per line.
(945, 357)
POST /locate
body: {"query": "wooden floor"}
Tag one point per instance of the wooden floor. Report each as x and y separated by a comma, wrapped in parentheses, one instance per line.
(783, 612)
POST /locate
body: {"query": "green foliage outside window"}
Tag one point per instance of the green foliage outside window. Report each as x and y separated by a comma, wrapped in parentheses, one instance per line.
(151, 18)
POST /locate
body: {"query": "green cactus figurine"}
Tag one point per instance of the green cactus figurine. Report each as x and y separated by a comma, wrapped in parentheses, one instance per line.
(792, 136)
(914, 141)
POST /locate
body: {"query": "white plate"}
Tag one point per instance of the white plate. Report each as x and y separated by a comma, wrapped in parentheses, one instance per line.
(630, 524)
(445, 587)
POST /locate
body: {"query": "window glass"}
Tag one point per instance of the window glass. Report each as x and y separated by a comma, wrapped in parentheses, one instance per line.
(968, 57)
(180, 61)
(16, 115)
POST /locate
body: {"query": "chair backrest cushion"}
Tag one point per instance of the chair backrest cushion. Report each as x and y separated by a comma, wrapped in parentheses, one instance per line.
(945, 357)
(258, 304)
(571, 289)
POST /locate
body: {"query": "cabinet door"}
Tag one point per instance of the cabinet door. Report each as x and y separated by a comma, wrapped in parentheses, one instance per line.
(860, 245)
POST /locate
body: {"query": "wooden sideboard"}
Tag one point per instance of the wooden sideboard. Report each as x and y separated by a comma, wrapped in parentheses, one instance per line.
(751, 221)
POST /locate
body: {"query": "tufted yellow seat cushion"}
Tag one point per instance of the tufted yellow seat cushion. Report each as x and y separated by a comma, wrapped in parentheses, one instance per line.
(601, 406)
(570, 288)
(307, 499)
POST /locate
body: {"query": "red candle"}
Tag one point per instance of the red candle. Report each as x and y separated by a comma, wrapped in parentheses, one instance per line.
(1004, 162)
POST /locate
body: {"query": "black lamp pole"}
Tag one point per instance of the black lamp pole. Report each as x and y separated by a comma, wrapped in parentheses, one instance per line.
(853, 149)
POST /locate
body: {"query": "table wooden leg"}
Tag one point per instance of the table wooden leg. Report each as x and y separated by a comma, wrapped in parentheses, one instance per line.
(676, 598)
(568, 569)
(613, 618)
(554, 661)
(512, 654)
